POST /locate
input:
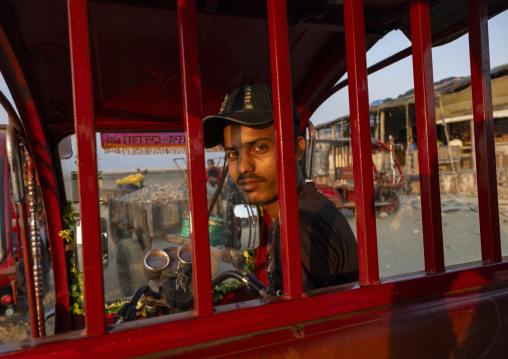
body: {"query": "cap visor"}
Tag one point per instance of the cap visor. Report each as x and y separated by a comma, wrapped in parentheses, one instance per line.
(213, 126)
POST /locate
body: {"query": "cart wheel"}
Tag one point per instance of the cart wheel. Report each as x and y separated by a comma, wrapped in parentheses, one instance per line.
(392, 208)
(129, 266)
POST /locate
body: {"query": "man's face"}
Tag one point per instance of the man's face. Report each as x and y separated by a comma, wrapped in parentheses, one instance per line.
(252, 163)
(213, 180)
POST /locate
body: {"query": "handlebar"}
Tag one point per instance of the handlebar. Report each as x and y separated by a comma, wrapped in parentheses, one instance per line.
(128, 311)
(175, 297)
(250, 281)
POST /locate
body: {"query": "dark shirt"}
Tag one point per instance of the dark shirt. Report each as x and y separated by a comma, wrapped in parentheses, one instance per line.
(327, 243)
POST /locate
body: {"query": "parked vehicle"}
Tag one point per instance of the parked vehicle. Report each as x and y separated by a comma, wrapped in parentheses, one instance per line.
(333, 174)
(80, 67)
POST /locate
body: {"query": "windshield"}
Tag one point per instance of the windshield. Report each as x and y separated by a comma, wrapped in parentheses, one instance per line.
(144, 198)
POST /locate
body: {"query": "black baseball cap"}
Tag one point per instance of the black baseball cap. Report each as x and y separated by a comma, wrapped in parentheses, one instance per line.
(247, 105)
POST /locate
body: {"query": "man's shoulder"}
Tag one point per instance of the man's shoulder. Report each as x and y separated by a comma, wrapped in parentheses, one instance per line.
(309, 199)
(317, 213)
(314, 207)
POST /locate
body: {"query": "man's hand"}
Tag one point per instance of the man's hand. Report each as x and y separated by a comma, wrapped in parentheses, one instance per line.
(226, 254)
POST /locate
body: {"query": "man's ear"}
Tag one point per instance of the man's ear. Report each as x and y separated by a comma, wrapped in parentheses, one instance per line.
(299, 148)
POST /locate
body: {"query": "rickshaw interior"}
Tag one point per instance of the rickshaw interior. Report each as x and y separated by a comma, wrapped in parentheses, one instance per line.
(130, 82)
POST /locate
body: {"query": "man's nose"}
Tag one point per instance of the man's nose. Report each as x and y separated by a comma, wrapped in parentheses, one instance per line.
(245, 163)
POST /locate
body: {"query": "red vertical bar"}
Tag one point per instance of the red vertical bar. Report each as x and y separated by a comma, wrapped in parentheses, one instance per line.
(192, 112)
(86, 155)
(286, 168)
(427, 141)
(361, 141)
(484, 130)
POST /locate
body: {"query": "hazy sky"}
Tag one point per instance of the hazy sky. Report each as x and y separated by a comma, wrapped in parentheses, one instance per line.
(448, 60)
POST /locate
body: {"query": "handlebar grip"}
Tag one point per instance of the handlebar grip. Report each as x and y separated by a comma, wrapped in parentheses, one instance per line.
(254, 283)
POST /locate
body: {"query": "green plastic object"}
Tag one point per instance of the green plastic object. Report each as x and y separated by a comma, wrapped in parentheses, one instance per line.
(216, 230)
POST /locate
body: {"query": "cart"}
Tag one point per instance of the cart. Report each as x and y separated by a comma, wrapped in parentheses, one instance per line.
(333, 171)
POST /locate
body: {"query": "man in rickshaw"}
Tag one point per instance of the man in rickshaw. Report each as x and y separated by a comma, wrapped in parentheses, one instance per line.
(245, 127)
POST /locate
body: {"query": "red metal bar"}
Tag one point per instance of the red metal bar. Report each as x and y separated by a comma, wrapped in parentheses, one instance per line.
(286, 168)
(45, 170)
(84, 126)
(361, 141)
(484, 130)
(193, 115)
(427, 141)
(46, 180)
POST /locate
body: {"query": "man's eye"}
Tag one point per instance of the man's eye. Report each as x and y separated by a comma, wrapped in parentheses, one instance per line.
(231, 155)
(260, 148)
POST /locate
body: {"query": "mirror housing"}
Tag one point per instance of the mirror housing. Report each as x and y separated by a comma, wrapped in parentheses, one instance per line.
(65, 148)
(247, 229)
(79, 243)
(308, 163)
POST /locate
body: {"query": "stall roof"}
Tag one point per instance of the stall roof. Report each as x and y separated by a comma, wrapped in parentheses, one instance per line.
(441, 88)
(455, 96)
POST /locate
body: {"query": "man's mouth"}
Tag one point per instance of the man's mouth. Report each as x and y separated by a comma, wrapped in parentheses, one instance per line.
(249, 184)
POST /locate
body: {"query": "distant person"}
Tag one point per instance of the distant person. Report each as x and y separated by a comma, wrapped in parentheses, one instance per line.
(455, 141)
(412, 147)
(211, 164)
(213, 180)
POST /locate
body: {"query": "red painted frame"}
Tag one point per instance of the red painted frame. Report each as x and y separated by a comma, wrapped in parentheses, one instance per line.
(286, 168)
(43, 162)
(193, 115)
(484, 130)
(185, 329)
(361, 142)
(84, 126)
(427, 140)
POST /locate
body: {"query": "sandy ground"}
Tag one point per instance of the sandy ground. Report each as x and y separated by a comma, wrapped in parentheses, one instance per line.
(400, 248)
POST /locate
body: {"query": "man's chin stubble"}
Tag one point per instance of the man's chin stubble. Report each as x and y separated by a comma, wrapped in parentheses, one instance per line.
(248, 200)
